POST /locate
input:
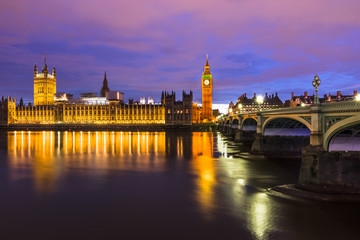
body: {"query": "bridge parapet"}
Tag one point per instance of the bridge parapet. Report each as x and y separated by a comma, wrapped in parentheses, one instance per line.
(341, 106)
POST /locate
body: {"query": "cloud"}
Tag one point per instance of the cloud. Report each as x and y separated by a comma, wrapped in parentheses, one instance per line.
(147, 46)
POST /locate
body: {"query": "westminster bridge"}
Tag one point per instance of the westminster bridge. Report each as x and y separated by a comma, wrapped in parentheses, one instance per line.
(326, 135)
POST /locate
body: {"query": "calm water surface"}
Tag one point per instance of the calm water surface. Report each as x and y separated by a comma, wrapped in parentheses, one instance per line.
(122, 185)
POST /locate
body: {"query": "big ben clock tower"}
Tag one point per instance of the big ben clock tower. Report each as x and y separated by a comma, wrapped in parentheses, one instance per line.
(206, 87)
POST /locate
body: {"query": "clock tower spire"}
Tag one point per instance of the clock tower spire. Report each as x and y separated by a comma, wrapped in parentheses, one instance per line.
(206, 89)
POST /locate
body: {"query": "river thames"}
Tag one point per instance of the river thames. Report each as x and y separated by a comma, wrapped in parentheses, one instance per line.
(154, 185)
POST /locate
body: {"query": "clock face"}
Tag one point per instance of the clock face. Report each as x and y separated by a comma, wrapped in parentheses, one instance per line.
(206, 82)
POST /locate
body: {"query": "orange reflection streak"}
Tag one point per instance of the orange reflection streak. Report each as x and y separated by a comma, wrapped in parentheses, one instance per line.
(112, 143)
(138, 143)
(58, 141)
(89, 149)
(129, 143)
(121, 143)
(97, 142)
(29, 143)
(66, 141)
(81, 142)
(156, 141)
(202, 149)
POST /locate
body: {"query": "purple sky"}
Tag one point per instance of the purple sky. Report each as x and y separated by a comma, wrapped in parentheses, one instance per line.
(147, 46)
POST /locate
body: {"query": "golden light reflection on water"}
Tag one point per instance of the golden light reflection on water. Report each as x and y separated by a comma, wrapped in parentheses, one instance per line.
(50, 154)
(203, 164)
(47, 157)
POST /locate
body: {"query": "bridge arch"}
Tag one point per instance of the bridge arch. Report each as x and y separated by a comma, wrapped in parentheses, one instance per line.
(293, 120)
(337, 127)
(249, 124)
(235, 121)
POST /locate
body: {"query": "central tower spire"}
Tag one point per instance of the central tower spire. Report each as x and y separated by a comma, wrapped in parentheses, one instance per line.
(206, 88)
(105, 87)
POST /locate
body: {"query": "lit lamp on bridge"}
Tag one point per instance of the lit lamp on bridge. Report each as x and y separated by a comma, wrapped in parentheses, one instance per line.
(357, 97)
(316, 84)
(240, 108)
(259, 101)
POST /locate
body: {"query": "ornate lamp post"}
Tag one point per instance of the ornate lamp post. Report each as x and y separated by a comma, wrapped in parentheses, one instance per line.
(259, 101)
(316, 84)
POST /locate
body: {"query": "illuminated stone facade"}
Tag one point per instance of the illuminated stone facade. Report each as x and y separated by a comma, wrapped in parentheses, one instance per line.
(7, 110)
(177, 112)
(113, 113)
(44, 86)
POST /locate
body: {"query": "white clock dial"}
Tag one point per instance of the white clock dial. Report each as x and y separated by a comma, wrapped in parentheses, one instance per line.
(206, 82)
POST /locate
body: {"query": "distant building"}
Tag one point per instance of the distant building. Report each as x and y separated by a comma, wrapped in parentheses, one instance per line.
(150, 100)
(245, 104)
(7, 110)
(61, 96)
(177, 112)
(328, 98)
(115, 95)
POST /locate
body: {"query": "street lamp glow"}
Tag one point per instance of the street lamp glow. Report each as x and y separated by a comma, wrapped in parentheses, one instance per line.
(241, 181)
(259, 99)
(357, 97)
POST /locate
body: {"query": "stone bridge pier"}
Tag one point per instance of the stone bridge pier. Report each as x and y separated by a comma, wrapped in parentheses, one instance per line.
(324, 171)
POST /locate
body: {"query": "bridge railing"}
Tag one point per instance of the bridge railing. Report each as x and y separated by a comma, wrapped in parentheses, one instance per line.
(285, 110)
(343, 106)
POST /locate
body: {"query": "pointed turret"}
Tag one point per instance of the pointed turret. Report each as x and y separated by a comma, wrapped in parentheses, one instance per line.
(207, 66)
(35, 71)
(45, 69)
(54, 71)
(105, 87)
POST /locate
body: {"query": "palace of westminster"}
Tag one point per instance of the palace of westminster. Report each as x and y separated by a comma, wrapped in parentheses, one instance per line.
(51, 107)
